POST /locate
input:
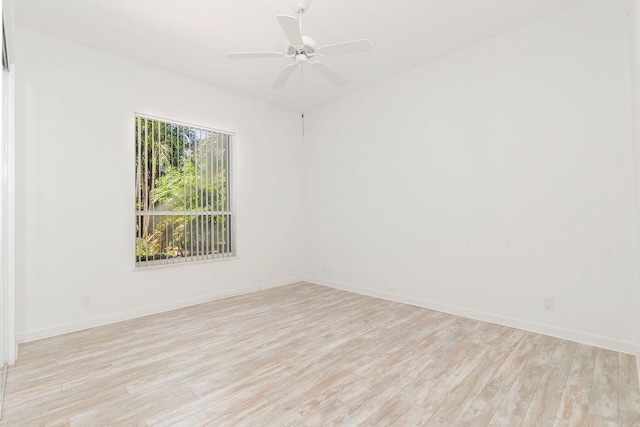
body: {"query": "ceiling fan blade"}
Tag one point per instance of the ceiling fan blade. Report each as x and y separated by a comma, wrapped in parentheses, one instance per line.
(329, 74)
(355, 46)
(291, 29)
(250, 55)
(284, 76)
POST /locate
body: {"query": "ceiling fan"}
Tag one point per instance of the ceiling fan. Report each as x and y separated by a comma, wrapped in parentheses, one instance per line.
(302, 49)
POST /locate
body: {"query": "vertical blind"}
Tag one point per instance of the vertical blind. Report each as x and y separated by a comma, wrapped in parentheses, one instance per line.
(5, 57)
(183, 206)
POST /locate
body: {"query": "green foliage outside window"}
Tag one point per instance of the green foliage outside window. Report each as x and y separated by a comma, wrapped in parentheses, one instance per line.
(181, 172)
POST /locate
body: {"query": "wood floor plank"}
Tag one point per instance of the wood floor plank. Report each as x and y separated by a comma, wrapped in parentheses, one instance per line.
(573, 409)
(629, 395)
(308, 355)
(326, 414)
(515, 404)
(603, 399)
(460, 395)
(483, 407)
(416, 415)
(546, 399)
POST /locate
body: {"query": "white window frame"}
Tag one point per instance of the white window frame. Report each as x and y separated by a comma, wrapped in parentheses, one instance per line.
(203, 228)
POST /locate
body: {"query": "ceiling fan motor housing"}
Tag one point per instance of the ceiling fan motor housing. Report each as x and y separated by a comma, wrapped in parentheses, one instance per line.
(309, 48)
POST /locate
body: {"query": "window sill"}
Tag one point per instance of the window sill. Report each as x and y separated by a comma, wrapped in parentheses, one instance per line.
(184, 264)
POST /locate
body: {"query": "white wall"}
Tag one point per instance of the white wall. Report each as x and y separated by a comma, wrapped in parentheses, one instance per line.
(75, 161)
(7, 197)
(489, 179)
(7, 220)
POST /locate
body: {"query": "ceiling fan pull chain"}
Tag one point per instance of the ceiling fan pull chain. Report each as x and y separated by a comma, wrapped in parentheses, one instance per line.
(302, 96)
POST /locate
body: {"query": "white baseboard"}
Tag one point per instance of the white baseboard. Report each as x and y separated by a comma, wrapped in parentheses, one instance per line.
(93, 322)
(567, 334)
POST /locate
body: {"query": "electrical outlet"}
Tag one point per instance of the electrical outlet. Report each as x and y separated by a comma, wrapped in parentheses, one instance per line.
(548, 303)
(86, 301)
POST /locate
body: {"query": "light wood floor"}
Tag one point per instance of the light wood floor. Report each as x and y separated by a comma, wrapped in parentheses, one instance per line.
(310, 355)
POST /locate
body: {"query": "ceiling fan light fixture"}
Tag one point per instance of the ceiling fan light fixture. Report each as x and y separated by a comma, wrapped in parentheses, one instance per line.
(309, 44)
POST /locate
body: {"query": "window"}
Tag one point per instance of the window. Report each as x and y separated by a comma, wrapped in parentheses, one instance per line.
(183, 197)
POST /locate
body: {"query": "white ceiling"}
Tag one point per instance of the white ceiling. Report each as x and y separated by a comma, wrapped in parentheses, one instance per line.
(191, 37)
